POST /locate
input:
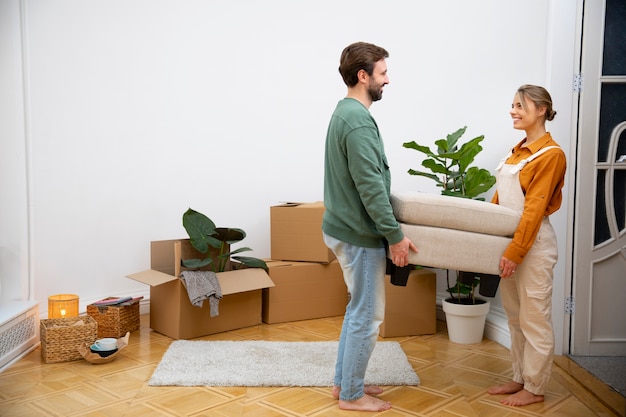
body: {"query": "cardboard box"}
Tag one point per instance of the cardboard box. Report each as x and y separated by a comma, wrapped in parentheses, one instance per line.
(296, 233)
(411, 310)
(171, 312)
(304, 290)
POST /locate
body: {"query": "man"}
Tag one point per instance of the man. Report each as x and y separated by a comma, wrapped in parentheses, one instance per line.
(358, 222)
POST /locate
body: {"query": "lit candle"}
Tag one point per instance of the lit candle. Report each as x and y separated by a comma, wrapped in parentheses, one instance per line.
(62, 313)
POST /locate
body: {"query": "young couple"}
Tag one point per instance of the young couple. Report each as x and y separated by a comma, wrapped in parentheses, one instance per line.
(360, 228)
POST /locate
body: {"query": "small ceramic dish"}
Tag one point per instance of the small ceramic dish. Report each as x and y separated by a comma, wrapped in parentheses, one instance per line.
(102, 353)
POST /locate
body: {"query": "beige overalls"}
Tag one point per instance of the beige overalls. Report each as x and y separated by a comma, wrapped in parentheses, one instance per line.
(527, 295)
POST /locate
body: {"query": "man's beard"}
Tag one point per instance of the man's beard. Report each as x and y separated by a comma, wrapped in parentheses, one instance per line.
(375, 93)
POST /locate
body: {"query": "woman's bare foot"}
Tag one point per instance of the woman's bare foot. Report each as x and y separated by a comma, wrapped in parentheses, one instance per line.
(522, 398)
(508, 388)
(368, 389)
(365, 403)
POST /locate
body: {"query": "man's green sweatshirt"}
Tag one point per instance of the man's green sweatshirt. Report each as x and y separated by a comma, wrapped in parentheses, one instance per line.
(357, 180)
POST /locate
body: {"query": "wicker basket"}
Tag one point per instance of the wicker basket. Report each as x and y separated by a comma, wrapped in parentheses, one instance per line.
(61, 338)
(115, 321)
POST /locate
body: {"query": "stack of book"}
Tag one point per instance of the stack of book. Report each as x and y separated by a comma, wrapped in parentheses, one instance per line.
(117, 301)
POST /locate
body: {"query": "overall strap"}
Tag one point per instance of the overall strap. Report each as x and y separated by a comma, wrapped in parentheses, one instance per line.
(503, 160)
(523, 163)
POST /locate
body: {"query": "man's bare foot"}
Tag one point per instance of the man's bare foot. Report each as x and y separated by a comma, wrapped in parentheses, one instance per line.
(522, 398)
(508, 388)
(365, 403)
(368, 389)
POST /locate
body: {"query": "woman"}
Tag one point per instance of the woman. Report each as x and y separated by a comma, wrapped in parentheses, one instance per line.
(529, 179)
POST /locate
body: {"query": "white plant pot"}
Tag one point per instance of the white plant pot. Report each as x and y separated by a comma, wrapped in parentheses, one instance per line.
(466, 323)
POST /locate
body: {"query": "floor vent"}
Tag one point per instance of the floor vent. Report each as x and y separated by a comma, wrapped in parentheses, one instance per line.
(19, 331)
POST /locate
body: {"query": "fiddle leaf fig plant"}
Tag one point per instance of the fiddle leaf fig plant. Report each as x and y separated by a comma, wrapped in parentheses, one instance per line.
(450, 166)
(203, 235)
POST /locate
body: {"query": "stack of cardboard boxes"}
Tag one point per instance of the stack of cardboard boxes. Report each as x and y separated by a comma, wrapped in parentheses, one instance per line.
(304, 282)
(308, 282)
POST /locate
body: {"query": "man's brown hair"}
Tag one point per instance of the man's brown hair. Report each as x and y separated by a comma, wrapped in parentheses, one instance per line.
(359, 56)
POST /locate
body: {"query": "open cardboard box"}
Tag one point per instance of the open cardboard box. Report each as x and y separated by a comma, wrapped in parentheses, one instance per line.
(171, 312)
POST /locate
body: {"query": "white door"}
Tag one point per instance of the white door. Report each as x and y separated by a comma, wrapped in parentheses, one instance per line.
(599, 261)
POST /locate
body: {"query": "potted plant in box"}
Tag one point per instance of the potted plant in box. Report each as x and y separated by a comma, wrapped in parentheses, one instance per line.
(450, 166)
(203, 235)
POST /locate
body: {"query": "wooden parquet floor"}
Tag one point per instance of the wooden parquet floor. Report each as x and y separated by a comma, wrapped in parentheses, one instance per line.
(454, 379)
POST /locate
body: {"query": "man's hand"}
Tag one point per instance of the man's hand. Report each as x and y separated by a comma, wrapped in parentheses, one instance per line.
(400, 252)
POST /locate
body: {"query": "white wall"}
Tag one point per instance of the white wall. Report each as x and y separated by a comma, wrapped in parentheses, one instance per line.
(14, 279)
(136, 110)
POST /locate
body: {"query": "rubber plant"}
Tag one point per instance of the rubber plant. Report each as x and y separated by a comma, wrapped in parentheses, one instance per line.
(450, 167)
(203, 235)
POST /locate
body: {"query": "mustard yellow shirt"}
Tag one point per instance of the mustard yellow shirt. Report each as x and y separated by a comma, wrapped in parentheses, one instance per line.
(541, 180)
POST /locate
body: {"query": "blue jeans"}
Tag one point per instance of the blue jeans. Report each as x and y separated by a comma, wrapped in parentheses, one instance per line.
(364, 274)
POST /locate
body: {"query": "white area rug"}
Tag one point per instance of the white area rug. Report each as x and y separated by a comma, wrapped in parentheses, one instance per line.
(276, 364)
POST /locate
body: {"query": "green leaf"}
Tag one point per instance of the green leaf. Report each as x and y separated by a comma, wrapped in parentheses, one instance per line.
(454, 193)
(240, 250)
(423, 149)
(229, 235)
(468, 152)
(427, 175)
(478, 181)
(435, 167)
(196, 263)
(461, 288)
(214, 241)
(443, 146)
(251, 262)
(453, 138)
(199, 227)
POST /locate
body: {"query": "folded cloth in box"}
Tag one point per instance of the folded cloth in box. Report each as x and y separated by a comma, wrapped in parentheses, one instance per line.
(454, 213)
(203, 285)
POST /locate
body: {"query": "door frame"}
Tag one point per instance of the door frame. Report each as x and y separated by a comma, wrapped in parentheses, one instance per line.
(587, 119)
